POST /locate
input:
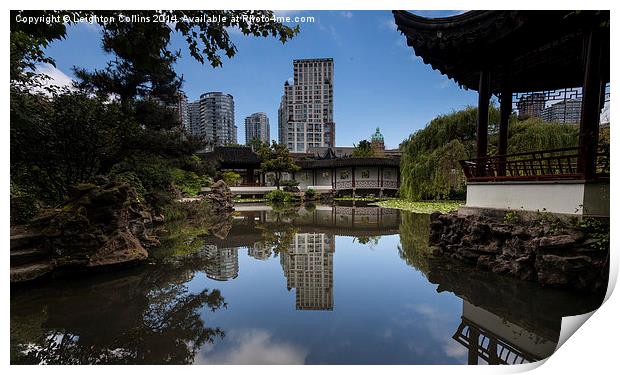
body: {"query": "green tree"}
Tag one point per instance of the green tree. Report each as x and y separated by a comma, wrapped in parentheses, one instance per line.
(276, 159)
(231, 178)
(120, 120)
(363, 149)
(430, 161)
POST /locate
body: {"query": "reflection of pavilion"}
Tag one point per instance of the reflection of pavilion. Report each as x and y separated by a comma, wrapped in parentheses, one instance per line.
(223, 262)
(498, 341)
(308, 267)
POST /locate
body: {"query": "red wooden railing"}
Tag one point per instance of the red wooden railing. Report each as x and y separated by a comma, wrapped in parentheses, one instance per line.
(559, 164)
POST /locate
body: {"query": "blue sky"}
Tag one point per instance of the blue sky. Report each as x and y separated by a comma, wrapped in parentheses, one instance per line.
(378, 81)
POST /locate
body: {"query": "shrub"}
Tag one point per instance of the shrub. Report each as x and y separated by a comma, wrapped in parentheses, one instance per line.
(24, 206)
(310, 194)
(231, 178)
(132, 179)
(189, 182)
(278, 196)
(290, 183)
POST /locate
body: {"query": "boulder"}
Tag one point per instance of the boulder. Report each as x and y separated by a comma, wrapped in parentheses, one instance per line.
(101, 225)
(555, 253)
(220, 197)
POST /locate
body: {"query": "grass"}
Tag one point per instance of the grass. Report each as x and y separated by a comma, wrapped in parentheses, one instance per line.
(425, 207)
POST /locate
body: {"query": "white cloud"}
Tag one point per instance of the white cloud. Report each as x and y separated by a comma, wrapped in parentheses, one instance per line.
(389, 24)
(257, 347)
(55, 76)
(331, 30)
(346, 14)
(444, 83)
(285, 13)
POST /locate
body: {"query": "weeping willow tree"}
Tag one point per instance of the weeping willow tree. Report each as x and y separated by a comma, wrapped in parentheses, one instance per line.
(430, 162)
(535, 134)
(413, 248)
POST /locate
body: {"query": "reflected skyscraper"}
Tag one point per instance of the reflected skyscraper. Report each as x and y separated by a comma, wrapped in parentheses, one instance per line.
(223, 262)
(259, 251)
(309, 269)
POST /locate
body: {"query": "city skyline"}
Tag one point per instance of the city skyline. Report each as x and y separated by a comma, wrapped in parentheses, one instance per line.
(402, 96)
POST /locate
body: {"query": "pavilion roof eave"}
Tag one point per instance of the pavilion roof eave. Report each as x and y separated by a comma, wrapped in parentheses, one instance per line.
(521, 51)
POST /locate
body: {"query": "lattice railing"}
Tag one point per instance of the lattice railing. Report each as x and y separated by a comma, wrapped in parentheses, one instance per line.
(559, 164)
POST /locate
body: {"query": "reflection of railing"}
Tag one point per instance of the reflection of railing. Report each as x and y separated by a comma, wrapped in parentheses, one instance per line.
(559, 164)
(489, 347)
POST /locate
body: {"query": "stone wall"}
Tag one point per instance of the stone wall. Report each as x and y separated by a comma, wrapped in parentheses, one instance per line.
(549, 250)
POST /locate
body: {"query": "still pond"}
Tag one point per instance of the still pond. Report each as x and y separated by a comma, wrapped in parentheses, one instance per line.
(317, 285)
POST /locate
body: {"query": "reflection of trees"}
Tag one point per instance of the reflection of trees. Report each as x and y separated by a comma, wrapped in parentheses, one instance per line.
(279, 231)
(414, 231)
(372, 241)
(144, 316)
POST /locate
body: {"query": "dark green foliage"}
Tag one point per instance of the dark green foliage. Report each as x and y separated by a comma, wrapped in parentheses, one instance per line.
(276, 159)
(278, 196)
(310, 194)
(121, 121)
(363, 149)
(598, 231)
(430, 166)
(414, 247)
(231, 178)
(61, 140)
(536, 134)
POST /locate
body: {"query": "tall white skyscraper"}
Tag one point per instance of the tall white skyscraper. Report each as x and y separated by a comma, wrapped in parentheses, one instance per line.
(306, 114)
(257, 127)
(212, 118)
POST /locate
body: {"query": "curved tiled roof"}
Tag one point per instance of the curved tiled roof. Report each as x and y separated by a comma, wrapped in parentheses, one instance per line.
(525, 50)
(230, 157)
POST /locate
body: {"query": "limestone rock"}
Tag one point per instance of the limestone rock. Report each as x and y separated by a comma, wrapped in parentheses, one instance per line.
(220, 197)
(101, 225)
(556, 254)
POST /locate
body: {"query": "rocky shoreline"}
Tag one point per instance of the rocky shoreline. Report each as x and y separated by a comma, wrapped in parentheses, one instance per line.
(550, 251)
(101, 226)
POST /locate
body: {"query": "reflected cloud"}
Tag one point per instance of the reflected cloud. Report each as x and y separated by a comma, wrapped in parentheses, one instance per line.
(257, 347)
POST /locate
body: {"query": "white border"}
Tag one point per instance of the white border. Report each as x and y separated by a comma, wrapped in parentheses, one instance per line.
(591, 350)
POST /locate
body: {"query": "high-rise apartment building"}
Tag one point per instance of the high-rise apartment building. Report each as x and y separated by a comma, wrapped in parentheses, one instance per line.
(565, 112)
(182, 110)
(212, 118)
(306, 114)
(531, 105)
(195, 126)
(257, 127)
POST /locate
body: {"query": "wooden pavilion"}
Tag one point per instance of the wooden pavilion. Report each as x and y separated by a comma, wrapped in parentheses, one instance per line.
(546, 56)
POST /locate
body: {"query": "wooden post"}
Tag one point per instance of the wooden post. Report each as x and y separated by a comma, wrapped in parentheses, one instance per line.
(502, 144)
(472, 354)
(482, 126)
(353, 182)
(590, 107)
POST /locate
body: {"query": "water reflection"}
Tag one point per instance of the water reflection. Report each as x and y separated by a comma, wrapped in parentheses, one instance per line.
(237, 299)
(146, 316)
(308, 266)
